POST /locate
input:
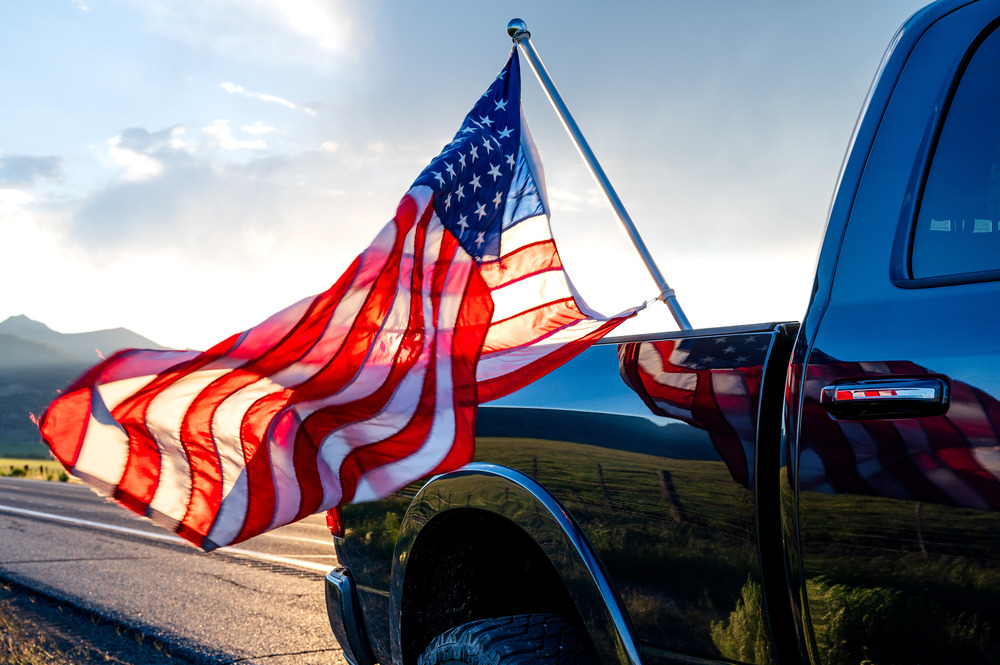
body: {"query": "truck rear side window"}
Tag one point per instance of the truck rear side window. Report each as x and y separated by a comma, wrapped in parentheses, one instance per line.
(958, 224)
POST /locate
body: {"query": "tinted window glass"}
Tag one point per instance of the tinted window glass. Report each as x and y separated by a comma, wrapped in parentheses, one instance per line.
(958, 225)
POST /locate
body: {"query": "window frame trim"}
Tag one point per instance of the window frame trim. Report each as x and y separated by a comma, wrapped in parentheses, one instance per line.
(900, 266)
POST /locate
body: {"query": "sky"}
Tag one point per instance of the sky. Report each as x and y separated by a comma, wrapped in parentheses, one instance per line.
(186, 168)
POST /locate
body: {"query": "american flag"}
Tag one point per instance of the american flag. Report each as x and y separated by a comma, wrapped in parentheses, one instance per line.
(712, 383)
(360, 390)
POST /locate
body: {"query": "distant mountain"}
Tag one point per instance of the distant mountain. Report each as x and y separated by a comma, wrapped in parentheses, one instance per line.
(35, 363)
(20, 353)
(83, 346)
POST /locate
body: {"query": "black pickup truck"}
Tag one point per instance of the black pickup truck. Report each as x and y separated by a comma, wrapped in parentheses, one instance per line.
(822, 492)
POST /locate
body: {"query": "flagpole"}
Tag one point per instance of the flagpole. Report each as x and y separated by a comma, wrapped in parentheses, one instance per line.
(518, 31)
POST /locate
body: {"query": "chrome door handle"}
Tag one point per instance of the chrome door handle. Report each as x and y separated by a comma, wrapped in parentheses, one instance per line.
(886, 398)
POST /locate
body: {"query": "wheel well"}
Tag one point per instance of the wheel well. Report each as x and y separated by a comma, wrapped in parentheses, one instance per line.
(469, 564)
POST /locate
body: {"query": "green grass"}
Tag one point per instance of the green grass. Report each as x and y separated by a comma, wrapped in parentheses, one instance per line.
(33, 468)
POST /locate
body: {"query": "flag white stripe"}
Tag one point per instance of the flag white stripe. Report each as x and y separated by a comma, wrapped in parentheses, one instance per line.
(530, 231)
(227, 423)
(229, 520)
(988, 457)
(543, 288)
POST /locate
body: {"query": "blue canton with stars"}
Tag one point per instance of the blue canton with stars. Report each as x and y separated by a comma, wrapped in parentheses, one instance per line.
(720, 352)
(480, 180)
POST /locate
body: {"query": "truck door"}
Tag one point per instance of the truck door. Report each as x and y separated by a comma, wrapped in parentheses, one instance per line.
(895, 450)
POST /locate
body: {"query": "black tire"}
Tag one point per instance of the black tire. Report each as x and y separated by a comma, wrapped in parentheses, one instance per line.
(548, 639)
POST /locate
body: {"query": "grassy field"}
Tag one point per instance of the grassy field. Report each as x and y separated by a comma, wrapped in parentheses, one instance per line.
(32, 468)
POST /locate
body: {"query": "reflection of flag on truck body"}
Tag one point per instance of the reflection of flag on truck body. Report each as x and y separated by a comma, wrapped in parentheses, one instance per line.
(361, 390)
(712, 383)
(951, 459)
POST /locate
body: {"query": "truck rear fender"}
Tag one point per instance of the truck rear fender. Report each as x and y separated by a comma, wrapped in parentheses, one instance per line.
(445, 569)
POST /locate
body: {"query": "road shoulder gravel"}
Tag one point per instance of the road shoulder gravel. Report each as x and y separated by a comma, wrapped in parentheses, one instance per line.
(58, 634)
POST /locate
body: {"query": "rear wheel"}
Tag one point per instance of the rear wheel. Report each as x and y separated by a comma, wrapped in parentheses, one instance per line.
(549, 639)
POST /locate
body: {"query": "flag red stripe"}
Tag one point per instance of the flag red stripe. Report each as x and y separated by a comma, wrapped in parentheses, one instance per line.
(531, 325)
(470, 331)
(523, 262)
(64, 425)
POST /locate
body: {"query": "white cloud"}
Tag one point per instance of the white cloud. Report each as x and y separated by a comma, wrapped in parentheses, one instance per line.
(258, 128)
(221, 135)
(12, 200)
(320, 20)
(271, 31)
(134, 166)
(240, 90)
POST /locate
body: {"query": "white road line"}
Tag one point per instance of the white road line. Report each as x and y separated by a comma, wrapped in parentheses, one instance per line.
(271, 534)
(308, 565)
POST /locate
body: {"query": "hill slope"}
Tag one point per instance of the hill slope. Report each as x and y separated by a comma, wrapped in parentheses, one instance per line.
(35, 363)
(84, 346)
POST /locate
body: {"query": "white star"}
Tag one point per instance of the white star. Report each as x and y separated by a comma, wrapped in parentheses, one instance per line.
(438, 176)
(507, 131)
(499, 198)
(729, 349)
(481, 211)
(494, 139)
(464, 224)
(447, 202)
(475, 183)
(494, 171)
(468, 130)
(501, 105)
(485, 120)
(511, 161)
(459, 193)
(461, 159)
(474, 153)
(480, 239)
(450, 169)
(486, 144)
(477, 124)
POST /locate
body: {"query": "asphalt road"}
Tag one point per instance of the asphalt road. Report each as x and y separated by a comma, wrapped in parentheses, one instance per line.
(259, 602)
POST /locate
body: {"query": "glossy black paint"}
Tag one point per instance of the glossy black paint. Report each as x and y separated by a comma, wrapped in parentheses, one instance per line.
(344, 613)
(663, 528)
